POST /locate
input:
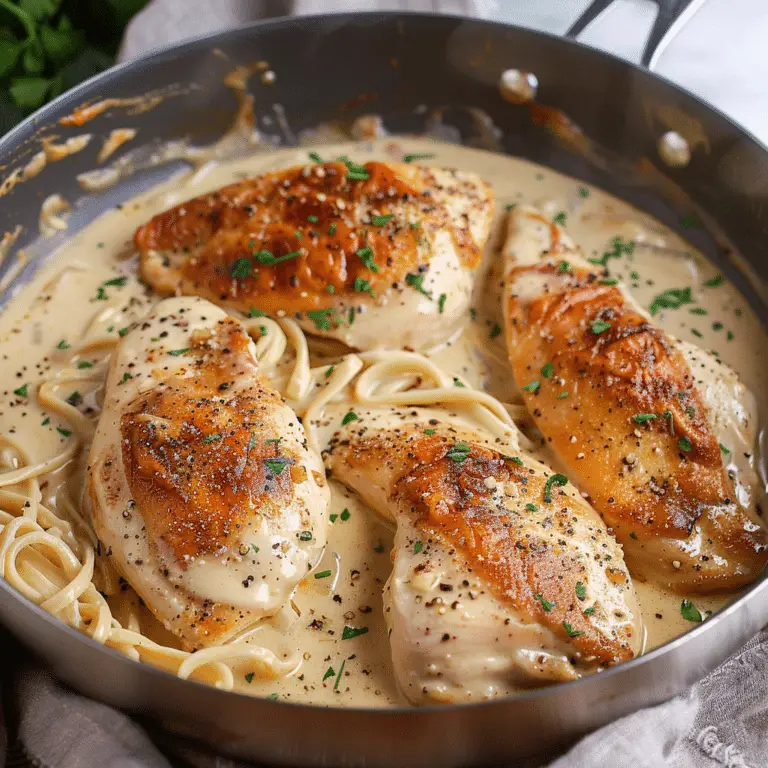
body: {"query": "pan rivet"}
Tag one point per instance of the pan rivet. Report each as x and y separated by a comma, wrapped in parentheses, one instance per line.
(674, 150)
(518, 87)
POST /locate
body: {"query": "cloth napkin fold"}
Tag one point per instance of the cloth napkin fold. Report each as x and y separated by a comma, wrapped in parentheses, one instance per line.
(721, 721)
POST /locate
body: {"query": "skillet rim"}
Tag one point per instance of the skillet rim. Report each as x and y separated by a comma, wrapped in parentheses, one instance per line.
(43, 117)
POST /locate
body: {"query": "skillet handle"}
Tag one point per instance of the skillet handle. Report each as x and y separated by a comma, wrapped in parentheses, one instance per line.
(670, 19)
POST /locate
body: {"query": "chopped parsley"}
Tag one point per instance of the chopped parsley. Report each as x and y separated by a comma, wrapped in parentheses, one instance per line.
(330, 288)
(725, 450)
(441, 303)
(458, 382)
(349, 417)
(208, 439)
(345, 514)
(698, 311)
(241, 269)
(349, 632)
(253, 312)
(570, 631)
(459, 453)
(548, 370)
(332, 229)
(305, 536)
(249, 678)
(562, 396)
(690, 221)
(355, 172)
(545, 604)
(82, 364)
(495, 331)
(322, 575)
(380, 221)
(101, 294)
(620, 247)
(599, 326)
(556, 479)
(272, 697)
(363, 286)
(417, 547)
(122, 331)
(609, 281)
(178, 352)
(589, 611)
(713, 282)
(330, 672)
(119, 282)
(581, 590)
(75, 399)
(329, 372)
(269, 259)
(689, 611)
(338, 677)
(334, 517)
(312, 219)
(277, 465)
(684, 444)
(366, 256)
(418, 156)
(641, 418)
(564, 266)
(583, 192)
(45, 421)
(321, 318)
(531, 507)
(22, 390)
(315, 157)
(510, 206)
(560, 218)
(532, 387)
(717, 326)
(125, 378)
(255, 549)
(417, 281)
(516, 459)
(62, 345)
(671, 299)
(65, 432)
(430, 431)
(697, 333)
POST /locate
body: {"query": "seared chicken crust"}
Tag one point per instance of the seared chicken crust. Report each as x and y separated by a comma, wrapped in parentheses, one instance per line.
(617, 400)
(349, 249)
(200, 482)
(503, 576)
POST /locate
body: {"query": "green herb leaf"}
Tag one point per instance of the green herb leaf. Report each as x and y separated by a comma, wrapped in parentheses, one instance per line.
(698, 311)
(65, 432)
(273, 697)
(241, 269)
(341, 672)
(548, 370)
(312, 219)
(322, 574)
(269, 259)
(671, 299)
(430, 431)
(599, 326)
(349, 632)
(684, 444)
(208, 439)
(459, 453)
(62, 345)
(315, 157)
(583, 192)
(441, 303)
(363, 286)
(581, 590)
(276, 465)
(570, 631)
(321, 318)
(332, 229)
(545, 604)
(417, 156)
(560, 218)
(329, 372)
(417, 547)
(495, 331)
(82, 364)
(126, 377)
(253, 312)
(29, 92)
(725, 450)
(249, 678)
(562, 396)
(564, 266)
(22, 390)
(330, 672)
(305, 536)
(556, 479)
(713, 282)
(641, 418)
(532, 387)
(75, 399)
(349, 417)
(366, 256)
(380, 221)
(589, 611)
(609, 282)
(690, 612)
(416, 281)
(178, 352)
(531, 507)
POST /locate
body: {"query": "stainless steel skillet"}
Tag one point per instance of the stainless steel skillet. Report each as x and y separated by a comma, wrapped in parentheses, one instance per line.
(597, 118)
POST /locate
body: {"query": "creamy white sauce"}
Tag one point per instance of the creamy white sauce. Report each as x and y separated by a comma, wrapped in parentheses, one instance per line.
(70, 294)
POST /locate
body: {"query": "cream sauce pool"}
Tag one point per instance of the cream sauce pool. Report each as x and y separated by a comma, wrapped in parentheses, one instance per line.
(82, 288)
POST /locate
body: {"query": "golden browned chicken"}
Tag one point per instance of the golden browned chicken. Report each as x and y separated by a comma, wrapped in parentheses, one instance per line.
(202, 490)
(377, 255)
(618, 401)
(504, 577)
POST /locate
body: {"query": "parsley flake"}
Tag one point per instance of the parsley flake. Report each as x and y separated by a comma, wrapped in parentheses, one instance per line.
(322, 574)
(277, 465)
(641, 418)
(417, 547)
(380, 221)
(581, 590)
(684, 444)
(459, 453)
(548, 370)
(417, 156)
(556, 479)
(241, 269)
(599, 326)
(349, 417)
(441, 303)
(533, 386)
(366, 256)
(545, 604)
(349, 632)
(690, 612)
(495, 331)
(178, 352)
(570, 631)
(417, 281)
(62, 345)
(22, 391)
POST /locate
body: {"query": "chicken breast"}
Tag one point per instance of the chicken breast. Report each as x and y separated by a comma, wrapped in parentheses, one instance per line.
(503, 576)
(641, 421)
(201, 487)
(377, 255)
